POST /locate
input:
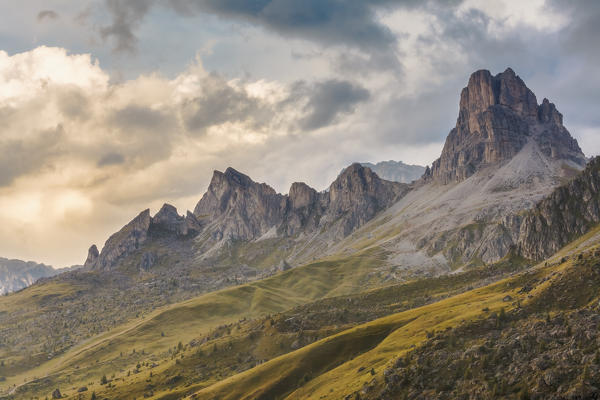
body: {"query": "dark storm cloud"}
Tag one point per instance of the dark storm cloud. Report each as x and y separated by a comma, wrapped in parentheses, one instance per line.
(328, 100)
(111, 159)
(135, 117)
(24, 156)
(351, 23)
(328, 21)
(582, 36)
(73, 103)
(143, 135)
(126, 16)
(219, 103)
(47, 14)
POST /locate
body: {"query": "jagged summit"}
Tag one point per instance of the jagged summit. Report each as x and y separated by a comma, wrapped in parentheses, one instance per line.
(498, 115)
(235, 207)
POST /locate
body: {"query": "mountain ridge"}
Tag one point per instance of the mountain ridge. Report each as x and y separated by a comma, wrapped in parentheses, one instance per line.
(396, 171)
(235, 207)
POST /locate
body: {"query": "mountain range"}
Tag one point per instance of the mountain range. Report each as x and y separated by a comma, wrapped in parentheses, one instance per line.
(461, 280)
(16, 274)
(396, 171)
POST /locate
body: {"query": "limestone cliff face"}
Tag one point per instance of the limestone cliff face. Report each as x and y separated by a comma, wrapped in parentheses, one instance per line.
(357, 195)
(93, 254)
(169, 220)
(305, 207)
(238, 208)
(497, 116)
(128, 239)
(567, 213)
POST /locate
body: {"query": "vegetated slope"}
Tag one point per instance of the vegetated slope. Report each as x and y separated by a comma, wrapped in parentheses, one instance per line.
(449, 336)
(237, 346)
(187, 320)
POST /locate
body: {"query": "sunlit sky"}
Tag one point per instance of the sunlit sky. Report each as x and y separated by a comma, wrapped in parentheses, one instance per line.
(110, 107)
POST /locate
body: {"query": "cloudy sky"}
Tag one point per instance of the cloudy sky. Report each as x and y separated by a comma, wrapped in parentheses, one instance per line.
(109, 107)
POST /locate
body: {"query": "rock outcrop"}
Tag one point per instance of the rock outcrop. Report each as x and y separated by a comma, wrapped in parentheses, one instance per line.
(567, 213)
(498, 115)
(236, 207)
(357, 195)
(93, 254)
(304, 209)
(128, 239)
(168, 219)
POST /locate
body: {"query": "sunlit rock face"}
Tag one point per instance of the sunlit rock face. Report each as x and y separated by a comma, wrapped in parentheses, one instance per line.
(497, 116)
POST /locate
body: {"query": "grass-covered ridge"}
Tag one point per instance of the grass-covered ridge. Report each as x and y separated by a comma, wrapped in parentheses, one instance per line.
(530, 290)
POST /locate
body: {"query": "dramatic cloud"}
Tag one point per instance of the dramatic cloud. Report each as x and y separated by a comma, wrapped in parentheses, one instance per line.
(283, 90)
(126, 16)
(118, 147)
(328, 100)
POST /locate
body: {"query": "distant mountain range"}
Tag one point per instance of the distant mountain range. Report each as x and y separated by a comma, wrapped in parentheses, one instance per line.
(17, 274)
(396, 171)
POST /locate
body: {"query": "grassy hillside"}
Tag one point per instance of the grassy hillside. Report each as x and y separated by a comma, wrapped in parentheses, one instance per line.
(275, 339)
(167, 326)
(303, 374)
(223, 319)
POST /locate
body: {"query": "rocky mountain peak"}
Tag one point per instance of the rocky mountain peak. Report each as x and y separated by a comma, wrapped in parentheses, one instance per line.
(129, 238)
(93, 254)
(484, 91)
(547, 113)
(358, 194)
(301, 195)
(168, 219)
(353, 180)
(497, 116)
(246, 209)
(167, 214)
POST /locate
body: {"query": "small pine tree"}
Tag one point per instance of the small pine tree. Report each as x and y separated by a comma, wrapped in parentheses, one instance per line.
(495, 391)
(502, 315)
(524, 394)
(93, 396)
(585, 376)
(103, 380)
(372, 371)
